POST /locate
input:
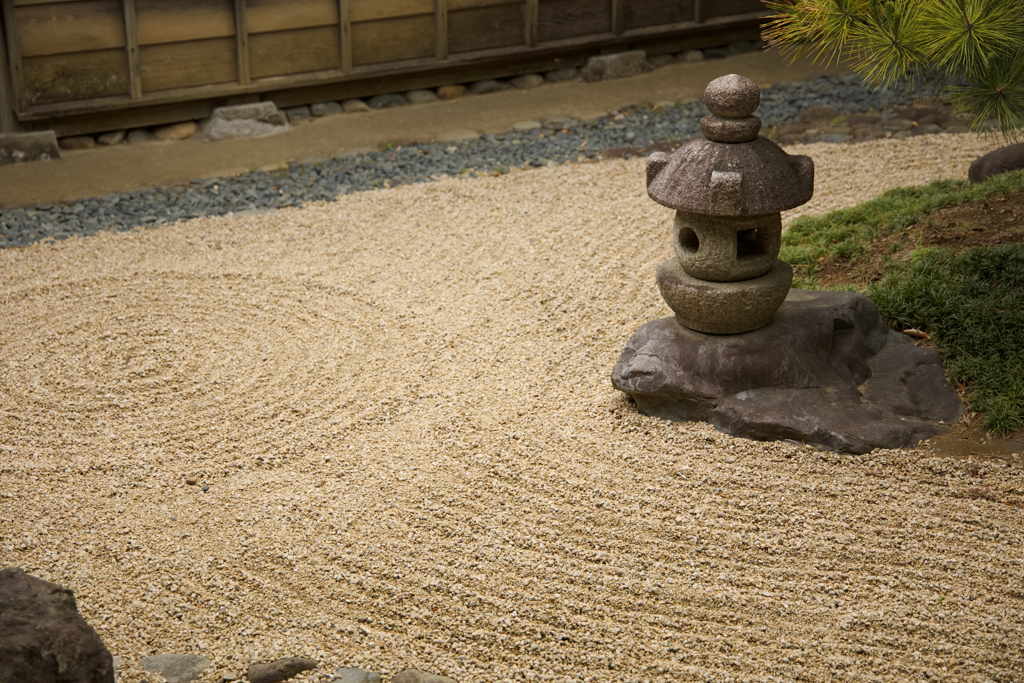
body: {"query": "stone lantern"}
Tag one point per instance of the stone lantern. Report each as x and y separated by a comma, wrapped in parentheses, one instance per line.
(728, 189)
(744, 351)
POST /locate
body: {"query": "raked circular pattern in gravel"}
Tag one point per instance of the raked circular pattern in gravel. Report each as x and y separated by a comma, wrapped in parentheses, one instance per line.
(400, 404)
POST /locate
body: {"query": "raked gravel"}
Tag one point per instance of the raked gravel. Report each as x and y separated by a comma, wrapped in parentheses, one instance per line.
(406, 452)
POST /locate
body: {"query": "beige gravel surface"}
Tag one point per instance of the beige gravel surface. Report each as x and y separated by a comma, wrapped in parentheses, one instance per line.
(401, 405)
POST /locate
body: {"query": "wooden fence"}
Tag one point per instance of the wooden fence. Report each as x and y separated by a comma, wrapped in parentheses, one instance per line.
(80, 64)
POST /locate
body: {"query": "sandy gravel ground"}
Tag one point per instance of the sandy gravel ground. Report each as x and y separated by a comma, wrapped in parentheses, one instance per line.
(400, 404)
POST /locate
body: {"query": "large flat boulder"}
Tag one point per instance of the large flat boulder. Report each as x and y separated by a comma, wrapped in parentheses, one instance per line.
(826, 371)
(43, 638)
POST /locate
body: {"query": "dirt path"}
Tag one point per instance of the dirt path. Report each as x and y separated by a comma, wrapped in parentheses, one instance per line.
(400, 404)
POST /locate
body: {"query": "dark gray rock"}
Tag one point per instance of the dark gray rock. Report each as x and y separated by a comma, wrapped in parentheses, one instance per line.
(1002, 160)
(77, 142)
(38, 146)
(176, 668)
(279, 670)
(43, 638)
(325, 109)
(487, 87)
(618, 65)
(421, 96)
(349, 675)
(298, 113)
(560, 75)
(138, 136)
(354, 106)
(415, 676)
(114, 137)
(527, 81)
(716, 52)
(658, 61)
(385, 101)
(827, 371)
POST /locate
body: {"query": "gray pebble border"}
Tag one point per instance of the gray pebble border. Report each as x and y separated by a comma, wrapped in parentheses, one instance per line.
(557, 141)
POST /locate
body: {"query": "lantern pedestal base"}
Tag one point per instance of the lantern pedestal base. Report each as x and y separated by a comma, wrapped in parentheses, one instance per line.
(723, 307)
(826, 371)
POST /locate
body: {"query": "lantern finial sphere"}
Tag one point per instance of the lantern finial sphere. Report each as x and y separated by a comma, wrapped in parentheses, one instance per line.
(732, 97)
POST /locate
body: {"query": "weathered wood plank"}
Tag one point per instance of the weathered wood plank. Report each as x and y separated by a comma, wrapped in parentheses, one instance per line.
(243, 56)
(273, 15)
(724, 8)
(640, 13)
(131, 32)
(530, 16)
(60, 78)
(178, 65)
(70, 27)
(294, 52)
(618, 16)
(557, 19)
(175, 21)
(441, 29)
(14, 54)
(473, 4)
(345, 31)
(25, 3)
(392, 39)
(486, 27)
(8, 122)
(373, 10)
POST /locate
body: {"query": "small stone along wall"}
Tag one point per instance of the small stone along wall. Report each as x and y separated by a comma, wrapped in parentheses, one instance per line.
(599, 68)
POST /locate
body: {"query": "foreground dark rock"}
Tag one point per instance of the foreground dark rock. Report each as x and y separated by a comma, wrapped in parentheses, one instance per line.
(43, 638)
(827, 371)
(279, 670)
(1002, 160)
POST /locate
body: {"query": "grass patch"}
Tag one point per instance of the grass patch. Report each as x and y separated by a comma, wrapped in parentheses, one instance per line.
(972, 304)
(847, 233)
(971, 301)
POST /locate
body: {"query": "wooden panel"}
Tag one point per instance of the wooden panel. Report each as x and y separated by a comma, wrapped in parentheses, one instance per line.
(372, 10)
(8, 123)
(487, 27)
(559, 19)
(25, 3)
(131, 30)
(530, 23)
(274, 15)
(721, 8)
(640, 13)
(70, 27)
(473, 4)
(61, 78)
(294, 52)
(392, 39)
(175, 21)
(242, 42)
(345, 29)
(441, 29)
(177, 65)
